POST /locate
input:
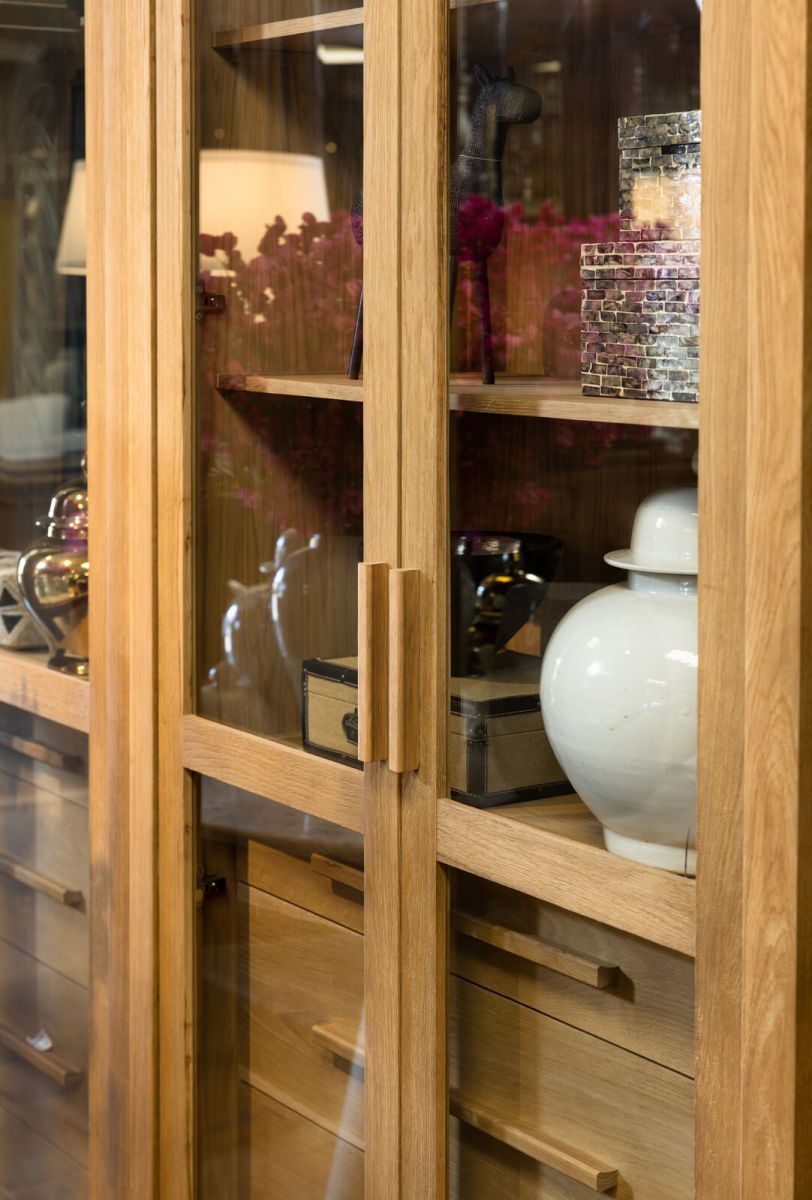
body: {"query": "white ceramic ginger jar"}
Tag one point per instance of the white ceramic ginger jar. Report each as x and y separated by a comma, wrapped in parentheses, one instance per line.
(619, 690)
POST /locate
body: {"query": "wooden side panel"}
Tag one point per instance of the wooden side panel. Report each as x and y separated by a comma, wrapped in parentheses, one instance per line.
(121, 293)
(425, 540)
(776, 1027)
(722, 499)
(177, 934)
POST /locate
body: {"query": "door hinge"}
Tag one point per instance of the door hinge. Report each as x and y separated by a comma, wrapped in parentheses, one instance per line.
(207, 302)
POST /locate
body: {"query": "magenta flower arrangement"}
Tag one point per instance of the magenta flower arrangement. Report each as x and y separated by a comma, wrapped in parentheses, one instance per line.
(291, 309)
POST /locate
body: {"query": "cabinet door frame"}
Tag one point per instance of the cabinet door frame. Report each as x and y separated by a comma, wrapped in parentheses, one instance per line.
(753, 901)
(368, 802)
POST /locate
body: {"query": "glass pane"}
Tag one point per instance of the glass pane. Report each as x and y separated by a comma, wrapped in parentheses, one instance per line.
(573, 387)
(279, 430)
(42, 333)
(280, 1032)
(44, 967)
(571, 1055)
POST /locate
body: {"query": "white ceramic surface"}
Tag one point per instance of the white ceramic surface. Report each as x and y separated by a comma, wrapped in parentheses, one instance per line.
(664, 537)
(619, 693)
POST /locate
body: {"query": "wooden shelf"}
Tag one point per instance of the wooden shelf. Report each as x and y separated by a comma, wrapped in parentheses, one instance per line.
(553, 850)
(275, 769)
(563, 400)
(319, 387)
(298, 33)
(27, 682)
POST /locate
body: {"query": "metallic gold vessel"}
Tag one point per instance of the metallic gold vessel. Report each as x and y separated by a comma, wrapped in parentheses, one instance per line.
(53, 577)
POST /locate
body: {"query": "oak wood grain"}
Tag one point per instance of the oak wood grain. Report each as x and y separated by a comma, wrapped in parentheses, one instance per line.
(27, 682)
(296, 33)
(404, 696)
(562, 400)
(324, 387)
(585, 969)
(373, 661)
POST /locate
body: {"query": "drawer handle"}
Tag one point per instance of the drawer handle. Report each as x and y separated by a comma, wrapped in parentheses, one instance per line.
(46, 1062)
(342, 1041)
(582, 967)
(45, 754)
(373, 661)
(404, 661)
(39, 883)
(575, 1165)
(349, 877)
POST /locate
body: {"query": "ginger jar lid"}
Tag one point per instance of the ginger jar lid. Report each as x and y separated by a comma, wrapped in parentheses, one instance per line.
(68, 511)
(665, 536)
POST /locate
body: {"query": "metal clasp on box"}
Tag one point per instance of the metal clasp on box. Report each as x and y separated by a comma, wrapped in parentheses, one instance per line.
(207, 302)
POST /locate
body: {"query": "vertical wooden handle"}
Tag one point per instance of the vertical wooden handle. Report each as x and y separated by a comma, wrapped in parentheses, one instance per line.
(404, 657)
(373, 661)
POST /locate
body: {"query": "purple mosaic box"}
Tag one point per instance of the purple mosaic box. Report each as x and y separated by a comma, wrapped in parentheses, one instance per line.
(640, 295)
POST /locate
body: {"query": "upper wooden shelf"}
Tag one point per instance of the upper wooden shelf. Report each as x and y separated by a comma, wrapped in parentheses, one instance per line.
(27, 682)
(319, 387)
(562, 399)
(553, 849)
(298, 33)
(516, 397)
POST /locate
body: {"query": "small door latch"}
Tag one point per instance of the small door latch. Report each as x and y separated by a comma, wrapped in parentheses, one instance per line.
(207, 302)
(209, 887)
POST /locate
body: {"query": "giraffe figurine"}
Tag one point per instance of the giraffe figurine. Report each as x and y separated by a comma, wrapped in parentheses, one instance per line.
(477, 199)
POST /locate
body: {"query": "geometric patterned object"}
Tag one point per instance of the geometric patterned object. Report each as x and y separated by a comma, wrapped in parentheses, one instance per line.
(640, 295)
(17, 628)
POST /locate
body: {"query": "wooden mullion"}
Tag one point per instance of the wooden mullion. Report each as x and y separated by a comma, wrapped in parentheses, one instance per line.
(424, 61)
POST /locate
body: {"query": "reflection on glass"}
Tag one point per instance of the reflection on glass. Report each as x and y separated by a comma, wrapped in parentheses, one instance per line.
(44, 959)
(281, 1002)
(279, 466)
(42, 314)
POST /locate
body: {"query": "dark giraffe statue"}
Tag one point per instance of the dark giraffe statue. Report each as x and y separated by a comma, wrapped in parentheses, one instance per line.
(477, 199)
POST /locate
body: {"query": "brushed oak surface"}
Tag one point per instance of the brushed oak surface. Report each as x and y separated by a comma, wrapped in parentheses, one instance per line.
(27, 682)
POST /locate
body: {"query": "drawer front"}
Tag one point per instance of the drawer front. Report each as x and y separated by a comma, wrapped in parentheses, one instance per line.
(645, 1004)
(317, 882)
(292, 1158)
(46, 1090)
(45, 832)
(584, 1107)
(54, 933)
(301, 975)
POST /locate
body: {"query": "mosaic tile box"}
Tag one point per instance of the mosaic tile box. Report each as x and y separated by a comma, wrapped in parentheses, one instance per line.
(640, 295)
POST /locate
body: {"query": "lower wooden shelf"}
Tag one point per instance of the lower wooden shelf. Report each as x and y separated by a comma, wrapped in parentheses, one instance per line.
(553, 850)
(27, 682)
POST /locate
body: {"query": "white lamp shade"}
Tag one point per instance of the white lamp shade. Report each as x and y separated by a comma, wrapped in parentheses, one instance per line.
(243, 191)
(71, 254)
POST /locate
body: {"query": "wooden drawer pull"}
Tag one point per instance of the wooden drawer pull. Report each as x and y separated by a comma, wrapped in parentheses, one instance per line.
(46, 754)
(39, 883)
(343, 1042)
(582, 967)
(373, 661)
(349, 877)
(572, 1163)
(44, 1061)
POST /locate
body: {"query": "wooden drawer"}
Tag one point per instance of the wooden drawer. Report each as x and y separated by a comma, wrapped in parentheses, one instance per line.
(300, 973)
(54, 933)
(316, 882)
(33, 1168)
(46, 1090)
(618, 987)
(291, 1158)
(576, 1106)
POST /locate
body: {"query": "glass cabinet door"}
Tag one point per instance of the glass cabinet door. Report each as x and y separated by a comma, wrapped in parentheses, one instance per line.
(278, 537)
(44, 940)
(574, 163)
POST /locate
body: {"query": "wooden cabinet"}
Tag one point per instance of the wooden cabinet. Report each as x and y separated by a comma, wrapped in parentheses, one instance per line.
(306, 892)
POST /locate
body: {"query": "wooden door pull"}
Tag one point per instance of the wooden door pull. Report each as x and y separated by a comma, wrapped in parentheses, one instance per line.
(573, 1163)
(343, 1043)
(582, 967)
(338, 872)
(39, 883)
(404, 661)
(44, 1061)
(373, 661)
